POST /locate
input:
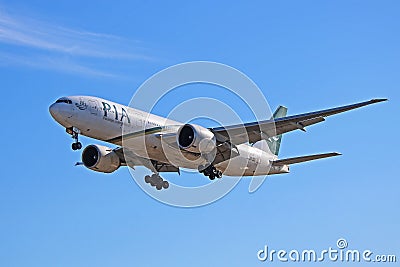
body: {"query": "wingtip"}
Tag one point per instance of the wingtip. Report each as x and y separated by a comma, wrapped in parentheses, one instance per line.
(337, 154)
(377, 100)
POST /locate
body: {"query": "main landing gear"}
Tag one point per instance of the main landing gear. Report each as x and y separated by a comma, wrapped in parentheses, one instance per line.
(74, 132)
(210, 171)
(157, 181)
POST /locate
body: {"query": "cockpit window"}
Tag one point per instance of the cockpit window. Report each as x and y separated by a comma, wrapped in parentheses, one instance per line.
(64, 100)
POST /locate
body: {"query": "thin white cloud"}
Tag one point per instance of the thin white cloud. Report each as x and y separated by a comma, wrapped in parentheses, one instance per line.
(53, 64)
(48, 43)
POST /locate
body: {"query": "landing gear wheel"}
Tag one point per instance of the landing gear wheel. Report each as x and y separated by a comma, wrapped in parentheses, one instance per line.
(159, 183)
(153, 179)
(78, 145)
(210, 171)
(165, 184)
(156, 181)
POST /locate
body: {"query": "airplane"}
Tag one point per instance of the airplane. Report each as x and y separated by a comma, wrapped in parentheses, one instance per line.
(164, 145)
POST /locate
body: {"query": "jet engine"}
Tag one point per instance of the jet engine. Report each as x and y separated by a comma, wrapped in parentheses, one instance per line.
(100, 158)
(196, 139)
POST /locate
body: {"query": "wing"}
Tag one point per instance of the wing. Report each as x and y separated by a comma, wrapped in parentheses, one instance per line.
(256, 131)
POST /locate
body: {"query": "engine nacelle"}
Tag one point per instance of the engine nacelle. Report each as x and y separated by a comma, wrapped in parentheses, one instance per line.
(197, 139)
(100, 158)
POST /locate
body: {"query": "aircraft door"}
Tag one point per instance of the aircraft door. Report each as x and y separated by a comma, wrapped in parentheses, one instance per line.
(93, 107)
(139, 119)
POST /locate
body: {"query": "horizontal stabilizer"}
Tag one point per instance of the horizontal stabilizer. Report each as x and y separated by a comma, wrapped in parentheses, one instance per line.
(289, 161)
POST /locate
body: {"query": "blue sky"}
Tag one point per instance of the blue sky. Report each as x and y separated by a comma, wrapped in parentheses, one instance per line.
(306, 55)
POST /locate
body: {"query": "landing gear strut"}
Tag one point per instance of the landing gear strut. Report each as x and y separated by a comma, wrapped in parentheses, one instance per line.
(210, 171)
(157, 181)
(74, 132)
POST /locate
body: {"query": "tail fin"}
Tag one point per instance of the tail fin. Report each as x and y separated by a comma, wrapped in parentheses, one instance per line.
(274, 143)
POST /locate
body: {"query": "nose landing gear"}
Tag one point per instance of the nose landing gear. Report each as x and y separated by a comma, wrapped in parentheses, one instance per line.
(157, 181)
(74, 132)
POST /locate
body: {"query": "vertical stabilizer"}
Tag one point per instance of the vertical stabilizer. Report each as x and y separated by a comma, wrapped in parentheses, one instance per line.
(274, 142)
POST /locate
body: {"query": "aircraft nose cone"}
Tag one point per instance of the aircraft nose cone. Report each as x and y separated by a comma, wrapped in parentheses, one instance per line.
(57, 112)
(53, 110)
(61, 113)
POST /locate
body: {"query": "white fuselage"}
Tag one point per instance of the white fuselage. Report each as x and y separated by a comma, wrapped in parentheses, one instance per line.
(108, 121)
